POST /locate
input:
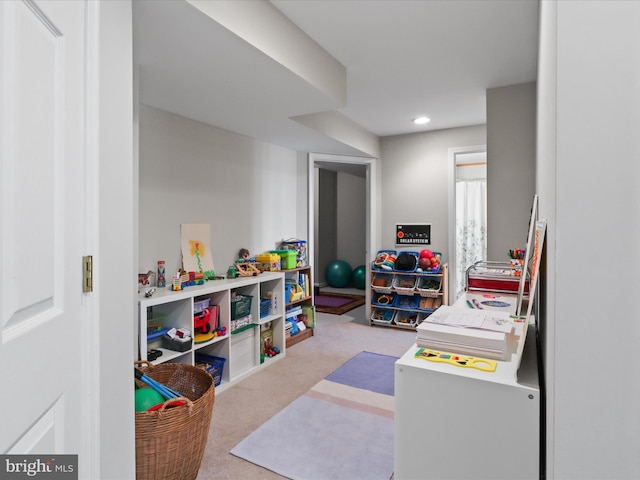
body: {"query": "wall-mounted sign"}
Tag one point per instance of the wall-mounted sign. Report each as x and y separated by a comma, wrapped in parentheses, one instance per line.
(413, 234)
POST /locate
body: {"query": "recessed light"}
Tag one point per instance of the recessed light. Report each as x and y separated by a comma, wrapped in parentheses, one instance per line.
(421, 120)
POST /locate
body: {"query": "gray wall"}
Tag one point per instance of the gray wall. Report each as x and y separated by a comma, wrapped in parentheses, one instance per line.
(511, 147)
(415, 181)
(341, 224)
(327, 228)
(352, 219)
(588, 183)
(249, 191)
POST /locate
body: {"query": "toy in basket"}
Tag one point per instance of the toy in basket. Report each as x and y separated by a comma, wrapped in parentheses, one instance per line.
(429, 261)
(385, 260)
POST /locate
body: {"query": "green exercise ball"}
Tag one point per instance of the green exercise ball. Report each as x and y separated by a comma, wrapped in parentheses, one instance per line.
(338, 274)
(358, 277)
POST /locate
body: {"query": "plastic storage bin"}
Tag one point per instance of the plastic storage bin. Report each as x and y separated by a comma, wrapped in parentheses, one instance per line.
(265, 307)
(382, 316)
(407, 301)
(287, 258)
(435, 269)
(384, 299)
(429, 303)
(416, 258)
(240, 306)
(406, 319)
(405, 284)
(429, 286)
(155, 322)
(267, 262)
(176, 345)
(299, 247)
(212, 364)
(382, 282)
(385, 260)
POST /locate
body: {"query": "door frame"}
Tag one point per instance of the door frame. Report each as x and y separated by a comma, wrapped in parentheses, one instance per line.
(372, 210)
(453, 152)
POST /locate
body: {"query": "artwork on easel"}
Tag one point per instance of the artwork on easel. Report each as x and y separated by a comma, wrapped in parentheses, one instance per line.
(195, 242)
(538, 243)
(527, 255)
(533, 253)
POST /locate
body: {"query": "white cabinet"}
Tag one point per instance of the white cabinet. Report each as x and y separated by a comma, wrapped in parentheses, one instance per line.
(241, 348)
(460, 423)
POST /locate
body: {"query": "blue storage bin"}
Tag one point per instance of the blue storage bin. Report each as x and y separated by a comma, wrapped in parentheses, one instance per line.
(384, 299)
(408, 302)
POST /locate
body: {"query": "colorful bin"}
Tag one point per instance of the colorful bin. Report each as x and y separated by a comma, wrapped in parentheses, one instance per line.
(287, 258)
(267, 262)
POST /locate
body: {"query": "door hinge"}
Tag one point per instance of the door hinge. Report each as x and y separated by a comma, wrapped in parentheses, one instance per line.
(87, 273)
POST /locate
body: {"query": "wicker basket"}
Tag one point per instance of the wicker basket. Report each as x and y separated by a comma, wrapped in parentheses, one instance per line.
(170, 442)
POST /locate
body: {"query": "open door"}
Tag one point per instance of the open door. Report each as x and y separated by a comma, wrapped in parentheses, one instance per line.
(42, 155)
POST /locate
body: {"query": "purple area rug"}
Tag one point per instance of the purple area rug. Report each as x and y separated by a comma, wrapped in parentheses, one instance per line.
(368, 371)
(337, 303)
(341, 429)
(328, 301)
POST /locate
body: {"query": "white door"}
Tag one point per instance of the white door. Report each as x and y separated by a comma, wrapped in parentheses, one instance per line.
(42, 132)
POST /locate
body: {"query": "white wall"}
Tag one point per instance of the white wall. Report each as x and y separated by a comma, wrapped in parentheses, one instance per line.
(414, 181)
(248, 191)
(589, 99)
(113, 451)
(511, 156)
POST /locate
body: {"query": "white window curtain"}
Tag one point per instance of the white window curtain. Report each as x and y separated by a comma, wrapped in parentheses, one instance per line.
(471, 226)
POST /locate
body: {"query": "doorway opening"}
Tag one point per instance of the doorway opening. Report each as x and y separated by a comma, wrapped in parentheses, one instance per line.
(323, 242)
(467, 213)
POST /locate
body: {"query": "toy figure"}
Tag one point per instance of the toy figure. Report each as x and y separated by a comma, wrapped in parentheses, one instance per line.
(143, 278)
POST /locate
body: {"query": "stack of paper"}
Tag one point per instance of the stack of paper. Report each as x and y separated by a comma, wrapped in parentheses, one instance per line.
(481, 333)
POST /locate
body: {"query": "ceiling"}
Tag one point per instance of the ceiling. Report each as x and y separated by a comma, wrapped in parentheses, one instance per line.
(402, 59)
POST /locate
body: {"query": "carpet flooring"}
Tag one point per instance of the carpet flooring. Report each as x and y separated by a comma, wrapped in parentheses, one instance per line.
(337, 303)
(342, 428)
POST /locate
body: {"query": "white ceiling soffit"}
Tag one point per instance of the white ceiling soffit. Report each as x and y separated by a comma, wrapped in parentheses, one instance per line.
(407, 58)
(277, 77)
(193, 66)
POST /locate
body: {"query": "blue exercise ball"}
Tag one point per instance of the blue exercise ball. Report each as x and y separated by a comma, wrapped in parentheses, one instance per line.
(358, 277)
(338, 274)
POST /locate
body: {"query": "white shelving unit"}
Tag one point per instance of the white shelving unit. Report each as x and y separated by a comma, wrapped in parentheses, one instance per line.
(240, 349)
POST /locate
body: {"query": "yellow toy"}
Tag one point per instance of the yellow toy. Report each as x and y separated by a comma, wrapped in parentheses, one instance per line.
(457, 360)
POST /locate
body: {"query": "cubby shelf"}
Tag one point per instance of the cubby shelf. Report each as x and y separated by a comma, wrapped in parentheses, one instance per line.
(242, 348)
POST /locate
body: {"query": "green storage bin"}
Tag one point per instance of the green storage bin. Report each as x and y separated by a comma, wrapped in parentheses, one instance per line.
(240, 306)
(287, 258)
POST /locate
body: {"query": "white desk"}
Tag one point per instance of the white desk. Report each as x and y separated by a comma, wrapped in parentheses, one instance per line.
(462, 423)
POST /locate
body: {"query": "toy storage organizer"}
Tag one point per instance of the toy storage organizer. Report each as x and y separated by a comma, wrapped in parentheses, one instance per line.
(404, 298)
(229, 356)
